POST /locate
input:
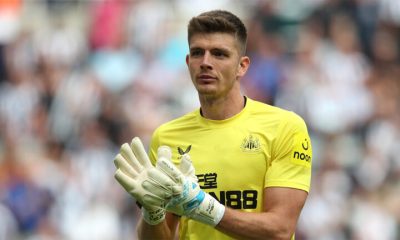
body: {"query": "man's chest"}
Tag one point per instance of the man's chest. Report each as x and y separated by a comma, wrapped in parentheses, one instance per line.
(230, 165)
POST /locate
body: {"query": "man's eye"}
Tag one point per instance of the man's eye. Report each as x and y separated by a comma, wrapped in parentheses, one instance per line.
(219, 54)
(195, 53)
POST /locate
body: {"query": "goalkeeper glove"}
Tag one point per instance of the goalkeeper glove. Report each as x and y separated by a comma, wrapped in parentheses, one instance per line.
(191, 201)
(147, 184)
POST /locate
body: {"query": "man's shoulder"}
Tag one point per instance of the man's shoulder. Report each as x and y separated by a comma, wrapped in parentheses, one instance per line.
(264, 108)
(274, 113)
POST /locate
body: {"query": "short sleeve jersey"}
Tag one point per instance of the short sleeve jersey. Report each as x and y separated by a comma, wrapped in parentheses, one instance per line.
(235, 159)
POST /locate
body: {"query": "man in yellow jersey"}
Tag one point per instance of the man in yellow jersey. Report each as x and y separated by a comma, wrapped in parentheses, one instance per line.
(253, 158)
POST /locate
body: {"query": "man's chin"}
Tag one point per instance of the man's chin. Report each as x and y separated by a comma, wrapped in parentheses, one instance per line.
(206, 92)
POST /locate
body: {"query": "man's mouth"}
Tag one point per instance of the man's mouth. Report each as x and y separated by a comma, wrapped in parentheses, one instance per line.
(206, 78)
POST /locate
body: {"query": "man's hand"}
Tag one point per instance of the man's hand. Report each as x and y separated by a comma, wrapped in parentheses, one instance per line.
(148, 185)
(191, 200)
(164, 186)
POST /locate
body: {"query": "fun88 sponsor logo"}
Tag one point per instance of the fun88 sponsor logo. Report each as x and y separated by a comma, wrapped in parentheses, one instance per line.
(236, 199)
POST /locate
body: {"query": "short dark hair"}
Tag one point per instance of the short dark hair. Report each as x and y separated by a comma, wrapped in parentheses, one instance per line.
(219, 21)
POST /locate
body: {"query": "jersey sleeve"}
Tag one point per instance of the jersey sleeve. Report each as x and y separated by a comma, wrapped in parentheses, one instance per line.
(291, 154)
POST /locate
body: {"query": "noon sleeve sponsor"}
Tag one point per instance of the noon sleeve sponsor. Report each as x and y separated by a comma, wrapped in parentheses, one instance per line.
(302, 151)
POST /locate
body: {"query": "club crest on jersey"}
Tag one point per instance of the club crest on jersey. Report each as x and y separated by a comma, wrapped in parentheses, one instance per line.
(182, 152)
(251, 144)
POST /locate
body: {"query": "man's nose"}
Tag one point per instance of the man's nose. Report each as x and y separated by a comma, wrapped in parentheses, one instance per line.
(206, 61)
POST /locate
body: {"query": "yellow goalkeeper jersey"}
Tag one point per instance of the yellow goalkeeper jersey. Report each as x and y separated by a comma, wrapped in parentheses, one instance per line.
(235, 159)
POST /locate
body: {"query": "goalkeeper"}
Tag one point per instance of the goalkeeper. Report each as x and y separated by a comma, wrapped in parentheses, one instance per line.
(249, 170)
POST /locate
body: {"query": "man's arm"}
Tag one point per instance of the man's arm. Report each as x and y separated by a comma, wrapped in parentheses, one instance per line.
(281, 210)
(165, 230)
(282, 207)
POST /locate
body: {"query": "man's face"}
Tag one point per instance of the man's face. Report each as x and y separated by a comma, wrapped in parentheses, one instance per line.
(215, 64)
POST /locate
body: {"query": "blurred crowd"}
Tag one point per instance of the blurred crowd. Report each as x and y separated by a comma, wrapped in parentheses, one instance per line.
(79, 78)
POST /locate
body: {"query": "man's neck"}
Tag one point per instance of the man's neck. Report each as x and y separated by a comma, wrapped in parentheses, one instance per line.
(221, 108)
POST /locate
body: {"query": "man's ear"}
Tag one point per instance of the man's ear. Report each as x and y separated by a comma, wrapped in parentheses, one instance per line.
(243, 66)
(187, 59)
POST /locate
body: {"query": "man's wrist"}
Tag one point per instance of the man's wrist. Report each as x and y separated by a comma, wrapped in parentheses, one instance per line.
(154, 216)
(210, 211)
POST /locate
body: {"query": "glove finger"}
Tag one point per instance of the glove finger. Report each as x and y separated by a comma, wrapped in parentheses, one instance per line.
(121, 163)
(140, 153)
(146, 198)
(126, 182)
(186, 167)
(169, 169)
(161, 179)
(164, 152)
(129, 155)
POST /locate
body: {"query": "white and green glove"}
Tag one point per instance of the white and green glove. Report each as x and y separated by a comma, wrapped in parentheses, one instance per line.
(164, 186)
(192, 201)
(151, 187)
